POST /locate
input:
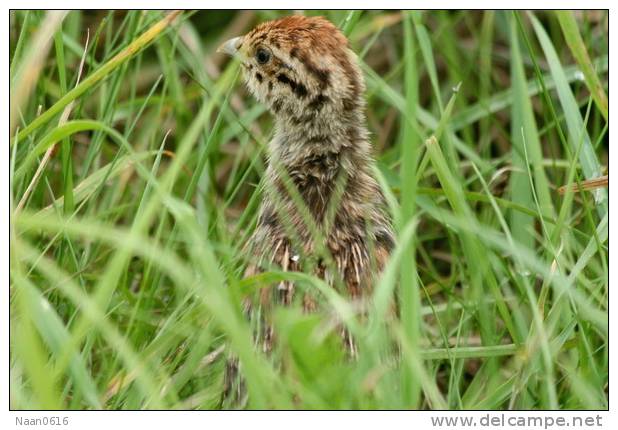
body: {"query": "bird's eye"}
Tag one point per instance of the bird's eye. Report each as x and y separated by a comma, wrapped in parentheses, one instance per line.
(262, 56)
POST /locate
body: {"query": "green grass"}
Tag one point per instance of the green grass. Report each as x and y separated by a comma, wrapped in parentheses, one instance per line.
(134, 190)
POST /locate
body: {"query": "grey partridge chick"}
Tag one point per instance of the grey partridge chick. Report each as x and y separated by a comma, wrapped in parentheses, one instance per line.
(303, 70)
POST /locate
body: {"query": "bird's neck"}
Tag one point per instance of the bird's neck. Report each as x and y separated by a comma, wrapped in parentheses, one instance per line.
(343, 137)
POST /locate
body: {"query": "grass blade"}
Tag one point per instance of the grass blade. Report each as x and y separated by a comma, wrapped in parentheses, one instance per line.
(580, 53)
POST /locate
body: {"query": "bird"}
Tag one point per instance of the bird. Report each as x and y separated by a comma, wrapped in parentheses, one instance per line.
(320, 167)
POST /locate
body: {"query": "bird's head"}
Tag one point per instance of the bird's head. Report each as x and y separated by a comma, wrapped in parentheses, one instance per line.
(301, 68)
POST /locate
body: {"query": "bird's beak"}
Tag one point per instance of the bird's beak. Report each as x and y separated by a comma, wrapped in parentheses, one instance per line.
(231, 47)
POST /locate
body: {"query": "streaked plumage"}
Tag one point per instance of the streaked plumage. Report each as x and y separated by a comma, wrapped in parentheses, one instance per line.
(303, 70)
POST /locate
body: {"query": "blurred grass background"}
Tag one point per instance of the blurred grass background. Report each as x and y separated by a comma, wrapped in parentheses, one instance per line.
(135, 155)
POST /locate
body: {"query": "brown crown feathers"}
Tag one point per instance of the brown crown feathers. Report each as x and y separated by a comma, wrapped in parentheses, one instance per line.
(303, 70)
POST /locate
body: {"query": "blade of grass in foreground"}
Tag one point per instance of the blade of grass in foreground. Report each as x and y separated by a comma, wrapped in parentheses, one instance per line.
(524, 132)
(55, 334)
(65, 148)
(29, 350)
(469, 352)
(580, 53)
(409, 296)
(62, 132)
(350, 22)
(30, 67)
